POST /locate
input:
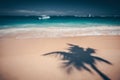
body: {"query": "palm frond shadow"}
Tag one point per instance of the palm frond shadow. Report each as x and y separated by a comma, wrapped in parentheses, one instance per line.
(77, 57)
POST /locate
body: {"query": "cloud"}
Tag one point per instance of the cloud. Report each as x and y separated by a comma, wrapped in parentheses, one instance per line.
(39, 12)
(25, 11)
(29, 12)
(45, 12)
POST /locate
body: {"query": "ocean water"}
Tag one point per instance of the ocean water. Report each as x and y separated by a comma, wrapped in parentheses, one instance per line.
(60, 25)
(57, 21)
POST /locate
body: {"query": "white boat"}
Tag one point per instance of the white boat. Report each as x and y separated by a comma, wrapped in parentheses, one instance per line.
(89, 15)
(44, 17)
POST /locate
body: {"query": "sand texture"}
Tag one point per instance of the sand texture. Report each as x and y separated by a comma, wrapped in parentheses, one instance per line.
(75, 59)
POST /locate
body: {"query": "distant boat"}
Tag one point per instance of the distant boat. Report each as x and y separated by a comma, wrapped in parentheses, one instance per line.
(89, 15)
(44, 17)
(39, 18)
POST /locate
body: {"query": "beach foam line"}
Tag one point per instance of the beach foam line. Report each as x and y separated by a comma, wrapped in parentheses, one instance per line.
(24, 33)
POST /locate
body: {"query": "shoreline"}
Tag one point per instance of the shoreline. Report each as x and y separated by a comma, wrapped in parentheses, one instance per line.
(53, 32)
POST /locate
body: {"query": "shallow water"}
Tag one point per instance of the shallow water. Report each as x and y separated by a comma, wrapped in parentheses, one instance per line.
(57, 21)
(58, 26)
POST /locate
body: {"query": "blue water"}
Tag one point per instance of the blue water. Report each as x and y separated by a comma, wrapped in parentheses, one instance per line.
(57, 21)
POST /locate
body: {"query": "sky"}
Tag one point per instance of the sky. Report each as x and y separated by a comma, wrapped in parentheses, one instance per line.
(60, 7)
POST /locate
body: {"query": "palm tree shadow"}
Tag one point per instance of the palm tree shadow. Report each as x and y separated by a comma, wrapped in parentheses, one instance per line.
(77, 57)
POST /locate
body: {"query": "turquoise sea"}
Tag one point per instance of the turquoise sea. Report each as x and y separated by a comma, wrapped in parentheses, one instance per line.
(57, 21)
(58, 26)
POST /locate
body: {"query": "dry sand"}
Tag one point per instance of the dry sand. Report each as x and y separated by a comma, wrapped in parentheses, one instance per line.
(21, 59)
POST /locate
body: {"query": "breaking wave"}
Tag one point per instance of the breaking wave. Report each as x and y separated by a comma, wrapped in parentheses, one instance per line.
(25, 33)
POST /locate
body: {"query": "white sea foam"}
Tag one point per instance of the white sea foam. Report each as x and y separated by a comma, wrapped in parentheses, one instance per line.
(24, 33)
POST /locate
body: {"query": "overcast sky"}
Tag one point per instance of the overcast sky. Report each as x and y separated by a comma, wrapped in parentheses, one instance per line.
(59, 7)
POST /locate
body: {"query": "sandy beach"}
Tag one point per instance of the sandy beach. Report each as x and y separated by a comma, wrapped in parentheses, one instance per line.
(59, 39)
(22, 59)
